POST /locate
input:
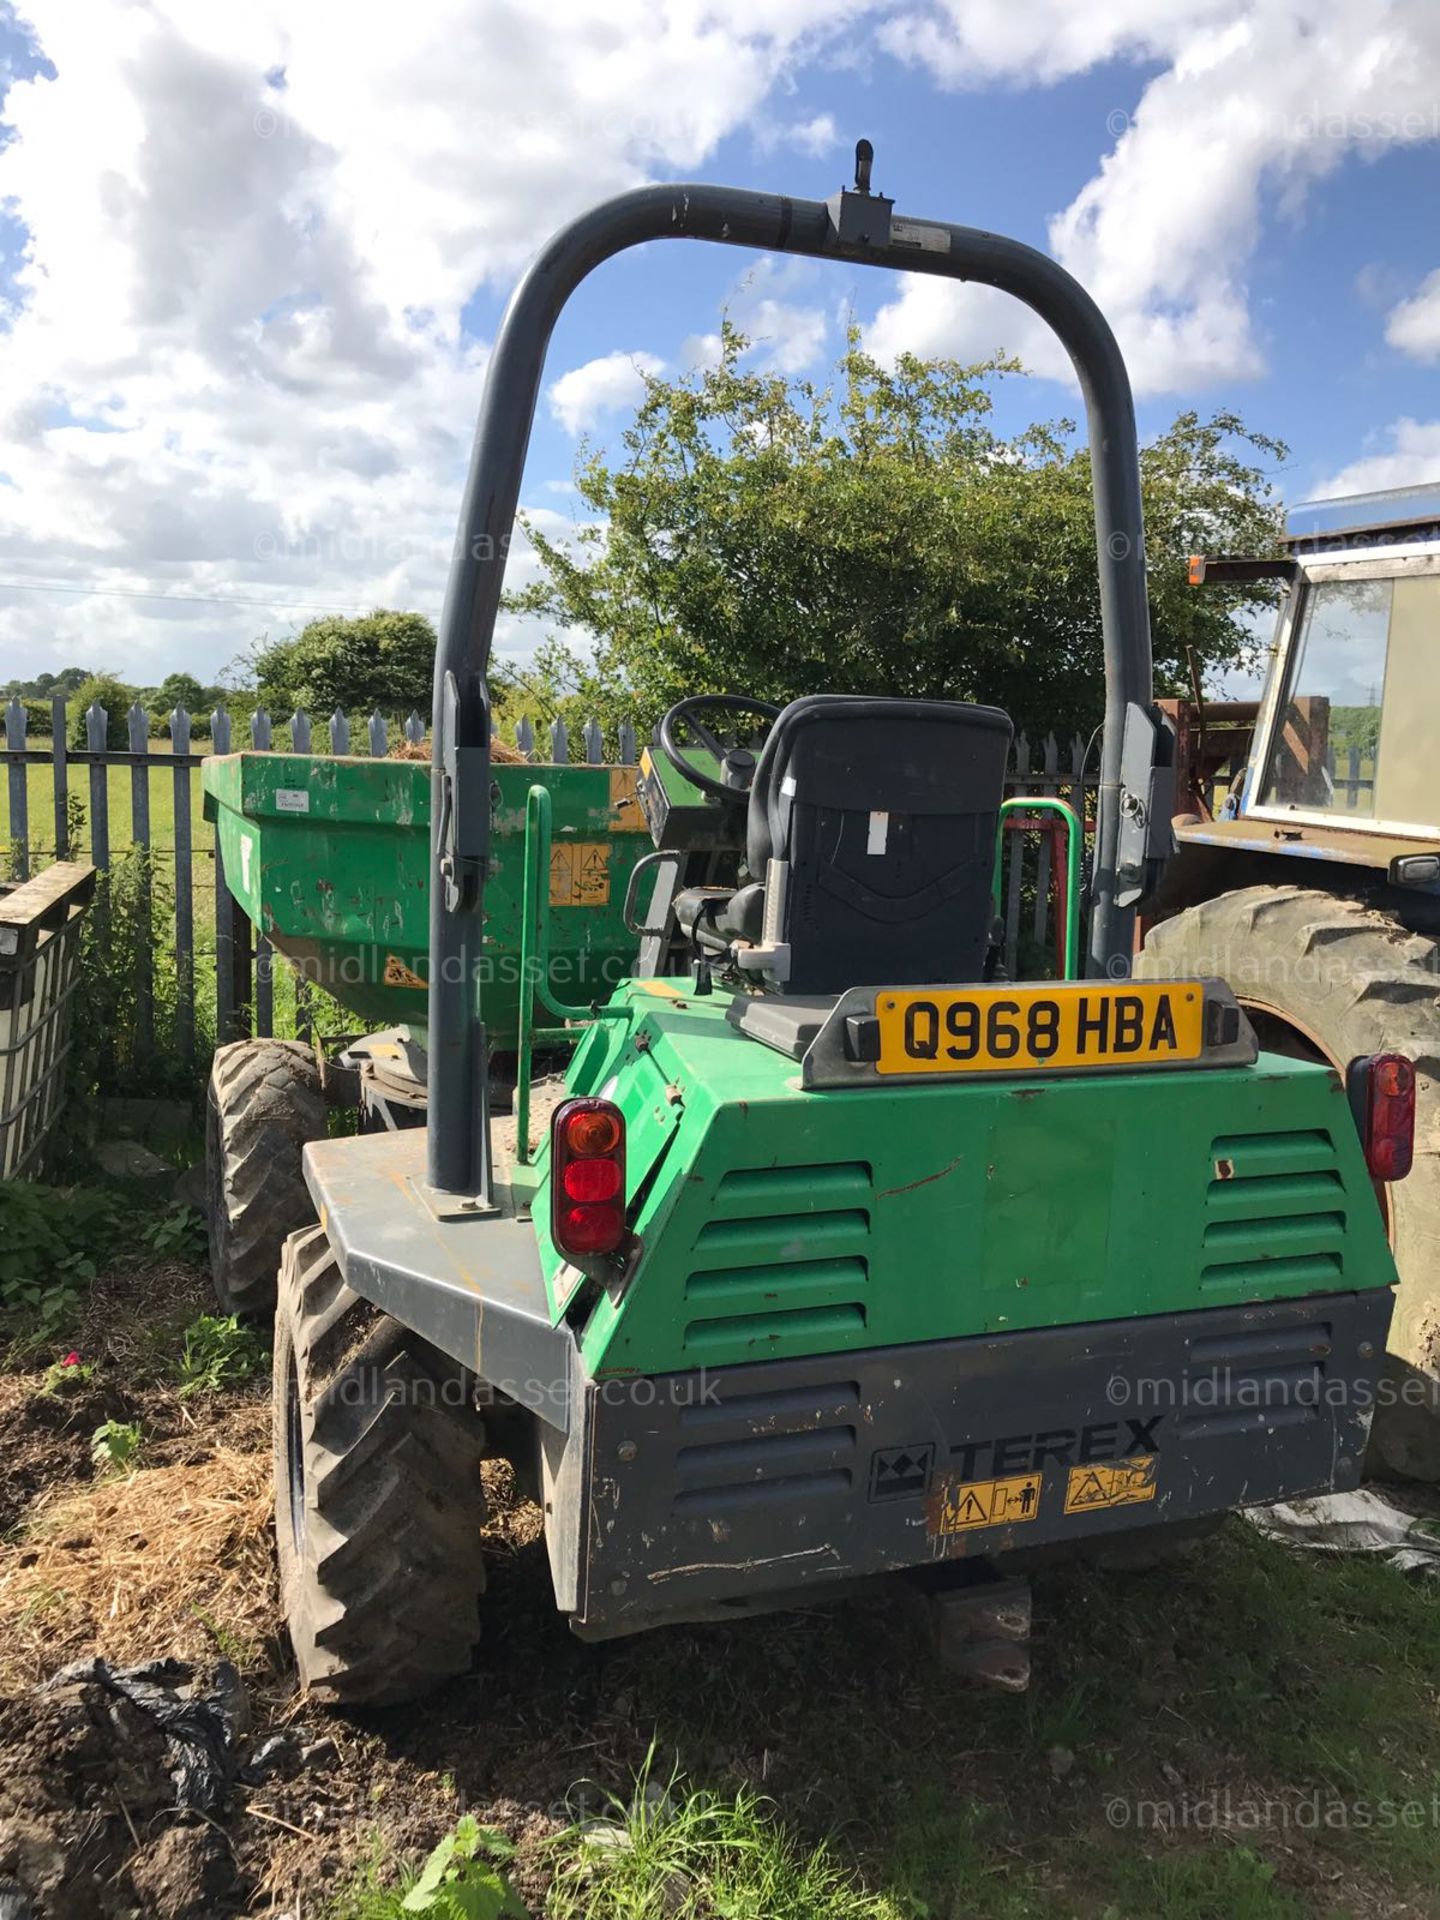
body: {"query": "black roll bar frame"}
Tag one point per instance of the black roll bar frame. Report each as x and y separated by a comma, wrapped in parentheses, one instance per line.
(857, 228)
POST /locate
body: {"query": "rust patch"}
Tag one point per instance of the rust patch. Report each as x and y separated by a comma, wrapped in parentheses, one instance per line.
(1224, 1169)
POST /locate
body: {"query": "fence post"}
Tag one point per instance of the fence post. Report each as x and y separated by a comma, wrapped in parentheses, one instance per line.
(226, 966)
(379, 736)
(1041, 926)
(60, 775)
(184, 884)
(138, 722)
(97, 723)
(19, 790)
(559, 743)
(525, 736)
(339, 732)
(299, 732)
(414, 729)
(1015, 850)
(260, 730)
(594, 743)
(627, 755)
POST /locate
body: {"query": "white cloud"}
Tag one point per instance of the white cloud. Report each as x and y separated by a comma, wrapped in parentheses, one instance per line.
(816, 136)
(1257, 100)
(616, 381)
(1414, 325)
(699, 352)
(257, 291)
(1411, 458)
(789, 333)
(238, 362)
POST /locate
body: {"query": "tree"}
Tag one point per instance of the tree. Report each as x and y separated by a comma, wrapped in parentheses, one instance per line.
(115, 697)
(46, 686)
(879, 536)
(176, 690)
(379, 660)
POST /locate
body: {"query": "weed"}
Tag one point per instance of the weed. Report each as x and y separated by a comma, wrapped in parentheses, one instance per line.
(219, 1352)
(240, 1652)
(670, 1851)
(115, 1446)
(63, 1376)
(178, 1234)
(463, 1879)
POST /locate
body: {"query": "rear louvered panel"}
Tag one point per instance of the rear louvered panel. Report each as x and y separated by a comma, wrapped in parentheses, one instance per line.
(1256, 1382)
(1277, 1212)
(725, 1240)
(1249, 1156)
(822, 1189)
(793, 1445)
(782, 1262)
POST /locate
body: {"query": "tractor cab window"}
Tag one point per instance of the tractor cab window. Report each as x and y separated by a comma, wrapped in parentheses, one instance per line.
(1349, 739)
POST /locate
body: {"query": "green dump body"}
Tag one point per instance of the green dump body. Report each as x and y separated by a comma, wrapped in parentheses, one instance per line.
(330, 858)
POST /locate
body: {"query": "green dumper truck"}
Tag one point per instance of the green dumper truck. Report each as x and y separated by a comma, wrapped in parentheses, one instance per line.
(832, 1256)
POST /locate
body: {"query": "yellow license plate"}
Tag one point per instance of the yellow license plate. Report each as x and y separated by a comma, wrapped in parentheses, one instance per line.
(1040, 1029)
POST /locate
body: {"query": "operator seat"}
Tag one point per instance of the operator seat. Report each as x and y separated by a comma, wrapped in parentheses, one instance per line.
(870, 839)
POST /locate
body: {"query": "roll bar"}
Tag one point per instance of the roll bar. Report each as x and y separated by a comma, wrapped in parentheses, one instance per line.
(856, 227)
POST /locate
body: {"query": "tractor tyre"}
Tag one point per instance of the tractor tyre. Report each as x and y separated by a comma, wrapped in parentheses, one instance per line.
(265, 1102)
(1325, 977)
(378, 1497)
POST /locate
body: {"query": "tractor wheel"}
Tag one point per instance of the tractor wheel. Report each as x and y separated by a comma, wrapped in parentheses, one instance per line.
(378, 1496)
(265, 1102)
(1328, 978)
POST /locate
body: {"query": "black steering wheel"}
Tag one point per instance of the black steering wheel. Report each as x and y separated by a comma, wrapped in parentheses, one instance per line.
(737, 763)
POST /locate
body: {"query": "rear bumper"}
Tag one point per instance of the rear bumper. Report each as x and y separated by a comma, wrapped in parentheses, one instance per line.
(695, 1491)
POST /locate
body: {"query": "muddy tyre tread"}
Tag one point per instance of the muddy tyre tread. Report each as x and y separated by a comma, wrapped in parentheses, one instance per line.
(1359, 982)
(382, 1593)
(265, 1102)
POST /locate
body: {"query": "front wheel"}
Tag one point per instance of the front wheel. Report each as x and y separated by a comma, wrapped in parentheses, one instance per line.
(378, 1496)
(1328, 978)
(265, 1103)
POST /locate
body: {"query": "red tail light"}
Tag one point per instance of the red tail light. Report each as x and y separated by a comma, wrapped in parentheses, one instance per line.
(1382, 1096)
(587, 1178)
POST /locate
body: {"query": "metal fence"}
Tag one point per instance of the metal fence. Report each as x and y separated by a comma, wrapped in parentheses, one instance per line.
(244, 967)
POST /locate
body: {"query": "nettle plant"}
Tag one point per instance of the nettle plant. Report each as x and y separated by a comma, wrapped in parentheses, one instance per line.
(51, 1242)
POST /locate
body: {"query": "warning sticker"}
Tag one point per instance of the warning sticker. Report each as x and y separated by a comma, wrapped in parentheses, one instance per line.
(959, 1506)
(579, 873)
(625, 814)
(1122, 1483)
(397, 974)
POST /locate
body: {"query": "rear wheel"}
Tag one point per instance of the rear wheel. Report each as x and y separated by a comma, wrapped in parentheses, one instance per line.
(378, 1496)
(1329, 978)
(265, 1103)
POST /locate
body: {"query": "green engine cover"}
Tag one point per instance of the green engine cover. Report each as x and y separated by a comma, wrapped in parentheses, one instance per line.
(776, 1222)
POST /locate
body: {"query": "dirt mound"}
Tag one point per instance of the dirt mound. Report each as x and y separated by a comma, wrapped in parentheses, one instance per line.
(89, 1828)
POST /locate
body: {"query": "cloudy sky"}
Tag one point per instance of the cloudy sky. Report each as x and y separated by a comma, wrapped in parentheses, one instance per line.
(252, 256)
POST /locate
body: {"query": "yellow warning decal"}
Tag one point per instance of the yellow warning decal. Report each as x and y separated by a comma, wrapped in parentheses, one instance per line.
(625, 814)
(1122, 1483)
(397, 974)
(579, 873)
(957, 1507)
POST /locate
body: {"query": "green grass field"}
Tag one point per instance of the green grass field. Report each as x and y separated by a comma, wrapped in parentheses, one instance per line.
(40, 805)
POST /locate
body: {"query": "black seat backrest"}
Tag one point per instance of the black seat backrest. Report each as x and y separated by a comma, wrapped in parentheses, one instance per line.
(885, 811)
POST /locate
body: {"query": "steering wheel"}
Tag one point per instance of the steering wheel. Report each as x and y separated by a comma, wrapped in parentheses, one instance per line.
(737, 763)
